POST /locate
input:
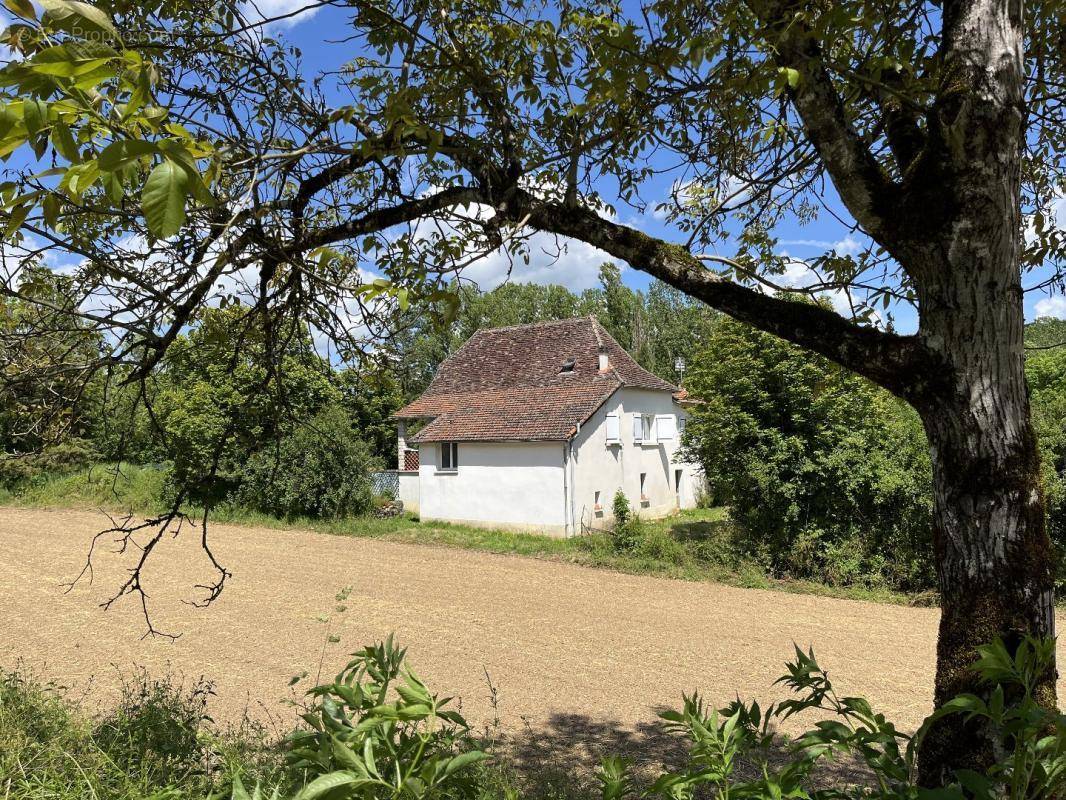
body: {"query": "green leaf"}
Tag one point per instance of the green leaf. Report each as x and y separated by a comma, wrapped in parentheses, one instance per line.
(465, 760)
(9, 119)
(24, 8)
(35, 115)
(239, 792)
(347, 757)
(80, 19)
(125, 151)
(163, 199)
(50, 210)
(81, 177)
(328, 782)
(63, 142)
(72, 58)
(15, 220)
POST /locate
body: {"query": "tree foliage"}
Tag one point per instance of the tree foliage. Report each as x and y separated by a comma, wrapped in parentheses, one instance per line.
(828, 475)
(320, 469)
(219, 402)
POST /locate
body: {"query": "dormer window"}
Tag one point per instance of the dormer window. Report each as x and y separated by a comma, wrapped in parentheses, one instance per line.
(568, 366)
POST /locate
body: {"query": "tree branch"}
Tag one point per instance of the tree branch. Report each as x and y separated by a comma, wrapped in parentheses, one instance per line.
(382, 218)
(860, 181)
(901, 364)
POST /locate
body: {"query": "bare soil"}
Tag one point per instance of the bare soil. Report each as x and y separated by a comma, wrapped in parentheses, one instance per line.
(579, 656)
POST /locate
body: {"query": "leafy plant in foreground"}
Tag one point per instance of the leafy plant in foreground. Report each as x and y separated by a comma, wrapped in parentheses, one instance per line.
(1028, 740)
(378, 732)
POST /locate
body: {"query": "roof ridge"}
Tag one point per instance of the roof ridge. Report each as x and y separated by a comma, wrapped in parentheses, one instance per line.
(596, 330)
(542, 324)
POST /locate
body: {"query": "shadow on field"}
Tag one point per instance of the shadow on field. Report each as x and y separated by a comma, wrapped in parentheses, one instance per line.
(569, 748)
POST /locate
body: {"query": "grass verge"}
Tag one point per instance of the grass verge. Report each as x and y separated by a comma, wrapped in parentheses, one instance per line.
(694, 545)
(159, 743)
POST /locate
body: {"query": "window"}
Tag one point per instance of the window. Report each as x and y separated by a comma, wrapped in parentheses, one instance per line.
(612, 429)
(449, 455)
(643, 481)
(568, 366)
(642, 427)
(596, 503)
(664, 427)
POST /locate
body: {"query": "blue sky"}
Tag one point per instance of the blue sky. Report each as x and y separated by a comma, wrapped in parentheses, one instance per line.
(318, 33)
(578, 266)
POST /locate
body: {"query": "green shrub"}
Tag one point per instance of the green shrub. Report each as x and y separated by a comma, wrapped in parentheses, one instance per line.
(17, 470)
(1046, 372)
(827, 476)
(626, 533)
(656, 543)
(156, 744)
(155, 729)
(320, 470)
(378, 733)
(222, 393)
(128, 486)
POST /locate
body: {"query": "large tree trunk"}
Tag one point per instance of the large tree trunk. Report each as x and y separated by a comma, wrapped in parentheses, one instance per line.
(993, 556)
(992, 551)
(951, 215)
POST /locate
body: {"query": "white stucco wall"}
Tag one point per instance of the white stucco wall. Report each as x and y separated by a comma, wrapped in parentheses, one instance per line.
(408, 491)
(602, 467)
(510, 485)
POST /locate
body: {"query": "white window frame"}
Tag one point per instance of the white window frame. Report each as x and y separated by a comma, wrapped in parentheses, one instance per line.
(643, 429)
(449, 457)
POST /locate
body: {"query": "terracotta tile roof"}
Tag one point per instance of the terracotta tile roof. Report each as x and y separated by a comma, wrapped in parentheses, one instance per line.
(507, 383)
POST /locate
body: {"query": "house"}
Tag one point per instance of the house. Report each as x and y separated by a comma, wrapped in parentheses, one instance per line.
(535, 427)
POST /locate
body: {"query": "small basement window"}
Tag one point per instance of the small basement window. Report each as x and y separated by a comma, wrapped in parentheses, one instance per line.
(568, 366)
(449, 455)
(643, 484)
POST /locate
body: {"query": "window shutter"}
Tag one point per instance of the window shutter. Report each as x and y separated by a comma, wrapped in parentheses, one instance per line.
(638, 428)
(665, 427)
(612, 427)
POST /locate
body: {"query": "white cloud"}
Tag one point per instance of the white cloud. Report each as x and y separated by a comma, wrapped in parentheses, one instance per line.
(567, 262)
(1051, 307)
(822, 244)
(270, 9)
(796, 274)
(552, 259)
(1054, 214)
(848, 246)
